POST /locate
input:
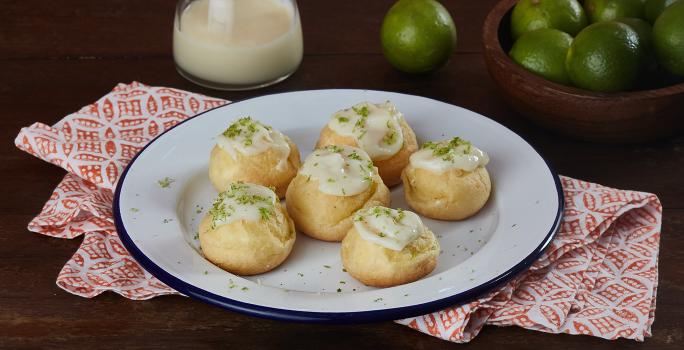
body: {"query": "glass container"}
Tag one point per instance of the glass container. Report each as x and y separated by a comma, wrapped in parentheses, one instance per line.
(237, 44)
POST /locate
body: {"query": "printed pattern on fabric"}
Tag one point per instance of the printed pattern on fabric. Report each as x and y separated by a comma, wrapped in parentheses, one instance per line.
(598, 277)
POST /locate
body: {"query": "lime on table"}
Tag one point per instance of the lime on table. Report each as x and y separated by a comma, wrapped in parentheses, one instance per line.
(543, 52)
(668, 38)
(608, 10)
(417, 36)
(605, 56)
(653, 8)
(565, 15)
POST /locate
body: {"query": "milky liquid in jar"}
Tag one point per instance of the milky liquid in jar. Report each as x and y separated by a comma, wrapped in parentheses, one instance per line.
(237, 44)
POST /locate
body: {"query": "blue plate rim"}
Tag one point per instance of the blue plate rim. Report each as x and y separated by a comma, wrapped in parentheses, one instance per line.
(328, 317)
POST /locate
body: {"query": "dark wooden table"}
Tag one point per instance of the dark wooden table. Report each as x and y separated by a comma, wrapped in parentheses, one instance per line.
(57, 56)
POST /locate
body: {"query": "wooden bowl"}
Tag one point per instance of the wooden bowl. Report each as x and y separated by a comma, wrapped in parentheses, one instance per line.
(623, 117)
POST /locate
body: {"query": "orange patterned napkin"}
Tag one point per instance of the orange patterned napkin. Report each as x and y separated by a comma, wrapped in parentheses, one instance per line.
(599, 276)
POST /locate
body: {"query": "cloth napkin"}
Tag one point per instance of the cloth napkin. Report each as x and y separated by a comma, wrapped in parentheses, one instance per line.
(598, 277)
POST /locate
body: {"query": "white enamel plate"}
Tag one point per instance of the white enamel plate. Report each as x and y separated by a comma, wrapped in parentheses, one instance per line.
(165, 191)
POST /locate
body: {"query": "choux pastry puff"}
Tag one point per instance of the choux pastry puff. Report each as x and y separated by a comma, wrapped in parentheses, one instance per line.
(380, 130)
(447, 180)
(387, 247)
(332, 184)
(246, 231)
(251, 152)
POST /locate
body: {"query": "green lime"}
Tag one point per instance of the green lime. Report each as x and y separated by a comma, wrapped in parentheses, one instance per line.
(653, 8)
(645, 33)
(543, 52)
(417, 36)
(605, 56)
(668, 38)
(643, 29)
(529, 15)
(608, 10)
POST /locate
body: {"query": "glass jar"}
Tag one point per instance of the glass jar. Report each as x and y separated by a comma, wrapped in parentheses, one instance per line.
(237, 44)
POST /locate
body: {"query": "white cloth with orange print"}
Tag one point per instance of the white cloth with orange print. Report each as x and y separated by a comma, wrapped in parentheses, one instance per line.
(599, 276)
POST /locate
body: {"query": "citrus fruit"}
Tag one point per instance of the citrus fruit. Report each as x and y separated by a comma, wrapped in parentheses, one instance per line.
(417, 36)
(543, 52)
(608, 10)
(529, 15)
(668, 38)
(643, 29)
(605, 56)
(653, 8)
(645, 34)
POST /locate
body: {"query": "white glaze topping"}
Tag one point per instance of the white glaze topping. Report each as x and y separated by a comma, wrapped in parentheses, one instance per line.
(391, 228)
(340, 170)
(375, 127)
(449, 154)
(250, 137)
(243, 201)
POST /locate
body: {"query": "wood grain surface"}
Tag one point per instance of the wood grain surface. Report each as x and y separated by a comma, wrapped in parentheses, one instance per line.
(57, 56)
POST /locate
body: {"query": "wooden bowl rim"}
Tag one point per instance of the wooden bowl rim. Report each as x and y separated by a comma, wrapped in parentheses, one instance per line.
(492, 46)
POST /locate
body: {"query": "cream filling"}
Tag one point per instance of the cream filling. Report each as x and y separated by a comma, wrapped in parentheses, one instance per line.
(453, 154)
(391, 228)
(250, 137)
(375, 127)
(243, 201)
(340, 170)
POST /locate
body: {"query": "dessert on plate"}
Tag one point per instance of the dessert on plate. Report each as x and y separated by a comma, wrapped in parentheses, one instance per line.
(247, 231)
(387, 247)
(252, 152)
(332, 184)
(380, 130)
(447, 180)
